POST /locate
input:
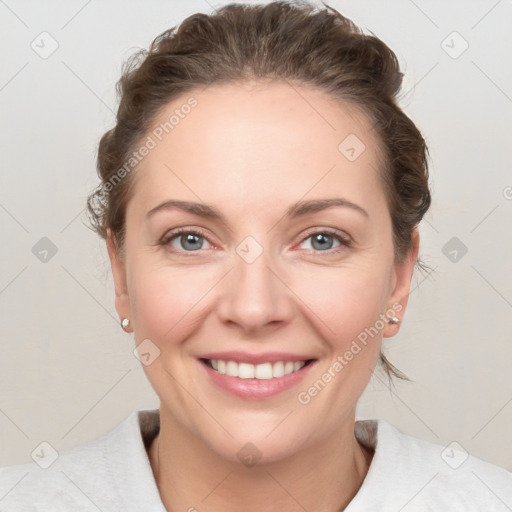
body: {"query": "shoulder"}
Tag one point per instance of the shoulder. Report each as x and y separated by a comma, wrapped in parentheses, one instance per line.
(55, 481)
(416, 475)
(90, 476)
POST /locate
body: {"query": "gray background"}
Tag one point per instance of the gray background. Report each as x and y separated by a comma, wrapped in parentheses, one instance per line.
(67, 370)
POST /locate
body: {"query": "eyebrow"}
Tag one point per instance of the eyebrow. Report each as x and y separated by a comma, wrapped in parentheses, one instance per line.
(317, 205)
(199, 209)
(296, 210)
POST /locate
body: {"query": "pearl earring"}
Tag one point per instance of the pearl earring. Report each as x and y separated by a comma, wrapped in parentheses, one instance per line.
(125, 322)
(394, 320)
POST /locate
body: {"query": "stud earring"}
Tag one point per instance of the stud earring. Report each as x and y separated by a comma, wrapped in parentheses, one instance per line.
(125, 322)
(394, 320)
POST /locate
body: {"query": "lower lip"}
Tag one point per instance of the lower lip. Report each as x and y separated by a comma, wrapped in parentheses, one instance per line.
(256, 389)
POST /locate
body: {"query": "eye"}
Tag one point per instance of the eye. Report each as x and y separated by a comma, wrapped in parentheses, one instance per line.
(186, 240)
(325, 240)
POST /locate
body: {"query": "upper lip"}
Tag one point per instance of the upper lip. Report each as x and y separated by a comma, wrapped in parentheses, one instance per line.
(265, 357)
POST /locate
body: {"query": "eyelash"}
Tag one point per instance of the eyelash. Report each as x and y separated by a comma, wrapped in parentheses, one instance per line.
(177, 233)
(344, 240)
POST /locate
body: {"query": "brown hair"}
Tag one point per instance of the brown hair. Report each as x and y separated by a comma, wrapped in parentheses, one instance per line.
(293, 41)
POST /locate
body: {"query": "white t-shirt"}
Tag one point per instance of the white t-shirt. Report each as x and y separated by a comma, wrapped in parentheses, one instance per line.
(113, 473)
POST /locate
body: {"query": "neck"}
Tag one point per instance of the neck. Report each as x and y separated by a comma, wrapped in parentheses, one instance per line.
(190, 476)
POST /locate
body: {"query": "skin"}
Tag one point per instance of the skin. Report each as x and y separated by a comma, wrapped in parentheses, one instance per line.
(251, 150)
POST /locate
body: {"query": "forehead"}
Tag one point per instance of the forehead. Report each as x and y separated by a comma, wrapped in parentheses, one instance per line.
(253, 141)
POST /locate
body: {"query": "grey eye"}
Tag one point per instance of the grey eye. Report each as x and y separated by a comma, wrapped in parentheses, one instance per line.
(322, 241)
(188, 241)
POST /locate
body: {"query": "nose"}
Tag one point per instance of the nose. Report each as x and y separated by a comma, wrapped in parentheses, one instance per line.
(255, 297)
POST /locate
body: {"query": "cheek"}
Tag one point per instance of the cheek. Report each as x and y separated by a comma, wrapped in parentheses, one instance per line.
(344, 302)
(167, 303)
(345, 307)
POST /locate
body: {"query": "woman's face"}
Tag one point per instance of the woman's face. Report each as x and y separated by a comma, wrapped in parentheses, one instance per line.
(285, 256)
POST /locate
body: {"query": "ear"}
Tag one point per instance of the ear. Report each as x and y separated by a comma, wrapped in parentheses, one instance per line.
(122, 300)
(402, 276)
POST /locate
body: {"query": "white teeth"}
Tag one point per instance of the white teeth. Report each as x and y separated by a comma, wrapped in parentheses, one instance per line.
(231, 369)
(246, 371)
(278, 369)
(262, 371)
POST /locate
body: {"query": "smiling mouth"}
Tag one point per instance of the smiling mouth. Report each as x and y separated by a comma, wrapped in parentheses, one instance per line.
(263, 371)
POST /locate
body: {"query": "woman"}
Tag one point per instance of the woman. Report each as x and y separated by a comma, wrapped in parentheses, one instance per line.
(260, 197)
